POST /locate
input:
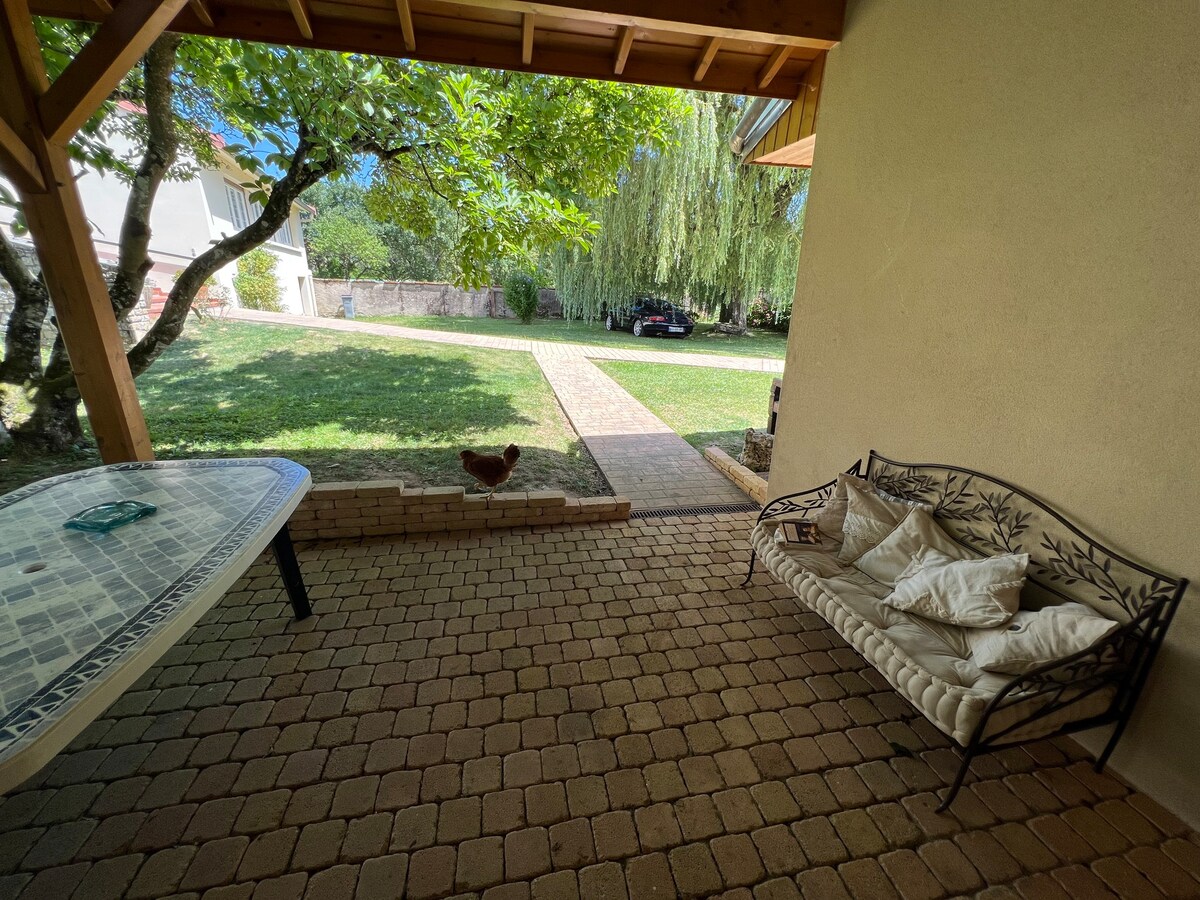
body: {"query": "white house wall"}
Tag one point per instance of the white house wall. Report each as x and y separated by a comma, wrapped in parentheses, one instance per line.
(187, 218)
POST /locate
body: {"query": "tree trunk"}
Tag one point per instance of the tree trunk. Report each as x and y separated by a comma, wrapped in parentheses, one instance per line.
(54, 424)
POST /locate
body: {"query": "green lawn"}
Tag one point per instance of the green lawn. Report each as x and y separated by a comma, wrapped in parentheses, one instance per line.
(704, 406)
(349, 407)
(757, 343)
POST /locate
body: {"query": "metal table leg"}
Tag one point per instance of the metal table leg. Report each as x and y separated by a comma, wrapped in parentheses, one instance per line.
(289, 570)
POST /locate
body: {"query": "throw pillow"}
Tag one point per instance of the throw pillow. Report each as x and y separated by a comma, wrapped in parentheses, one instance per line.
(890, 557)
(832, 516)
(869, 519)
(1034, 638)
(974, 593)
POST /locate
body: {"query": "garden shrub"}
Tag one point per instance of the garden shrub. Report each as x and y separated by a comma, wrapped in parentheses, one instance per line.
(762, 314)
(521, 295)
(255, 282)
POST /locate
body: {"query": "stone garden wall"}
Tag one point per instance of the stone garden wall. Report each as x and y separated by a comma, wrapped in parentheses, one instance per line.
(137, 322)
(750, 482)
(418, 298)
(380, 508)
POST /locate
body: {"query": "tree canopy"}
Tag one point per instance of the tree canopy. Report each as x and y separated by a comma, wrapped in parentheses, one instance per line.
(691, 224)
(511, 154)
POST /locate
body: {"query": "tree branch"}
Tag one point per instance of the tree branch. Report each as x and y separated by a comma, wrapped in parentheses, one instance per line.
(162, 145)
(299, 177)
(22, 363)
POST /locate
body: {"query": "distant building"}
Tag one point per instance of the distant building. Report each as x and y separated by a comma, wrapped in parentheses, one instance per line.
(188, 217)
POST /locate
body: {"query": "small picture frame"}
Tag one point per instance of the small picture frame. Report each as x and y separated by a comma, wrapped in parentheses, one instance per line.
(801, 533)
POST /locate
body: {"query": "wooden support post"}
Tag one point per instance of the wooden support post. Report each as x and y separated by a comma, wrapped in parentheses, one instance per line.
(624, 42)
(774, 64)
(526, 38)
(406, 25)
(68, 258)
(710, 51)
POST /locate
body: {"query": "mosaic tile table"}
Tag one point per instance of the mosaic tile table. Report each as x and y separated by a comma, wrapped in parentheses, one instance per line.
(83, 615)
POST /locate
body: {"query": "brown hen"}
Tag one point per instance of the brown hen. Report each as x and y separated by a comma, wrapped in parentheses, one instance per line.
(490, 471)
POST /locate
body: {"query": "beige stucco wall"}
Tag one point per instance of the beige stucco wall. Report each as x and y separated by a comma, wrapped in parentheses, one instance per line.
(1001, 269)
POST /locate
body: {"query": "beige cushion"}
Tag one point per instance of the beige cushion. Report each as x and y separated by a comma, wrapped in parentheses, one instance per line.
(891, 556)
(1034, 638)
(974, 593)
(869, 519)
(832, 515)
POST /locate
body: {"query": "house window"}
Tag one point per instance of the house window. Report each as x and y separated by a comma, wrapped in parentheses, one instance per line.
(242, 212)
(239, 210)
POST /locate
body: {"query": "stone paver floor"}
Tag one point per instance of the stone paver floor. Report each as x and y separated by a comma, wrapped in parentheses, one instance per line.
(595, 711)
(642, 458)
(549, 348)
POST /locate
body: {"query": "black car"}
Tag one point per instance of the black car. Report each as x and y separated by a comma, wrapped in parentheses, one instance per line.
(647, 317)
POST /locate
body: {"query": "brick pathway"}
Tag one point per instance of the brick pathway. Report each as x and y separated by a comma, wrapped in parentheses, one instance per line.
(548, 348)
(641, 457)
(574, 711)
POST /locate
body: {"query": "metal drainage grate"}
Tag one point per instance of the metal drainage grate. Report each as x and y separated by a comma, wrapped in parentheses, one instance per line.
(673, 511)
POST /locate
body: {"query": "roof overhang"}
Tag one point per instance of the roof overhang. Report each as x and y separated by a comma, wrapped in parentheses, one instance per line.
(779, 133)
(761, 48)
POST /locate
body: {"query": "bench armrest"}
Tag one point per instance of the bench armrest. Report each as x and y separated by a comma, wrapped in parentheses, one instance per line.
(804, 502)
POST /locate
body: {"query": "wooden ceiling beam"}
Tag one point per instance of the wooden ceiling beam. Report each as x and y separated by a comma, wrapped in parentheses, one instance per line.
(203, 13)
(706, 58)
(815, 24)
(527, 38)
(624, 43)
(96, 71)
(18, 161)
(406, 25)
(302, 16)
(768, 72)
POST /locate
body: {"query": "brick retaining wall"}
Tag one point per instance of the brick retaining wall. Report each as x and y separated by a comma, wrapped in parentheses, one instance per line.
(750, 482)
(380, 508)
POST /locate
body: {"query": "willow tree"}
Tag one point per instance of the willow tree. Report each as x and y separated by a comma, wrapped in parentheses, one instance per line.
(690, 223)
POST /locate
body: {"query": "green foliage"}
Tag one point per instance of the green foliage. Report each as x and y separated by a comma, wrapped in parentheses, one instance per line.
(521, 295)
(410, 256)
(762, 314)
(255, 282)
(343, 247)
(691, 224)
(507, 153)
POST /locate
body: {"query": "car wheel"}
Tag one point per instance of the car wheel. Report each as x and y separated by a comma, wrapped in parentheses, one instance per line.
(637, 327)
(609, 324)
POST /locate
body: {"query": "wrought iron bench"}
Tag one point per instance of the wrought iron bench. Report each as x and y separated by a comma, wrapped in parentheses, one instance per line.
(1095, 687)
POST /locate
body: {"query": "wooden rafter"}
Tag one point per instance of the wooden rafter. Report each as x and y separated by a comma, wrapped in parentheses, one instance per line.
(624, 43)
(706, 57)
(302, 16)
(203, 13)
(527, 38)
(18, 161)
(406, 25)
(773, 65)
(816, 24)
(107, 58)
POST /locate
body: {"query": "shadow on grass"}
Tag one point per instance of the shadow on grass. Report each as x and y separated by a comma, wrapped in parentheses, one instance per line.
(410, 396)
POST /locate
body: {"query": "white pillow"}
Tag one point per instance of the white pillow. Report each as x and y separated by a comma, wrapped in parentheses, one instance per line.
(974, 593)
(832, 516)
(1034, 638)
(869, 519)
(890, 557)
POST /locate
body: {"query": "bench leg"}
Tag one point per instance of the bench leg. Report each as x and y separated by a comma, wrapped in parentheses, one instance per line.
(968, 753)
(1102, 760)
(750, 571)
(289, 570)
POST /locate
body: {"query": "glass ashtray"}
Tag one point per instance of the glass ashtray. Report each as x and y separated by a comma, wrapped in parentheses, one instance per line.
(104, 517)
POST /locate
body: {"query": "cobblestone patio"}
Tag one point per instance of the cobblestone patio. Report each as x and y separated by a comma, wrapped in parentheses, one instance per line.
(596, 711)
